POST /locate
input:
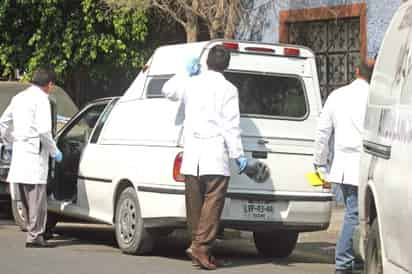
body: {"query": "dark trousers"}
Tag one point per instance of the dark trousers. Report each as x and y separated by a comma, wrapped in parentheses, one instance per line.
(205, 199)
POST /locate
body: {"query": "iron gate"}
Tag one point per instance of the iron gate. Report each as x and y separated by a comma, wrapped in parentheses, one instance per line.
(336, 44)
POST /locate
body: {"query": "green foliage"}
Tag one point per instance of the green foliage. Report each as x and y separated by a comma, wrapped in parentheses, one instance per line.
(70, 35)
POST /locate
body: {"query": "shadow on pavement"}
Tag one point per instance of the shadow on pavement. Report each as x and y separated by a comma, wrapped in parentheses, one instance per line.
(233, 252)
(310, 253)
(66, 235)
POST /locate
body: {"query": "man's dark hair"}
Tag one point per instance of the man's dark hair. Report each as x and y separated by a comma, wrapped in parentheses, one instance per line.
(365, 70)
(41, 77)
(218, 58)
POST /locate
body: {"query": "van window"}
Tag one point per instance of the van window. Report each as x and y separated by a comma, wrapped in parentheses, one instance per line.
(259, 94)
(155, 85)
(269, 95)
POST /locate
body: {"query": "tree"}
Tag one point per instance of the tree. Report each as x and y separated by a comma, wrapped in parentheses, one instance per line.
(220, 16)
(82, 39)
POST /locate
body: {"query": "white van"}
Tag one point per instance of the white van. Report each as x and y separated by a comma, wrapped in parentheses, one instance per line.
(122, 156)
(385, 190)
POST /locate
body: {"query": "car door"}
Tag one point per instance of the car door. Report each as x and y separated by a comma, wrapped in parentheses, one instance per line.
(72, 141)
(94, 191)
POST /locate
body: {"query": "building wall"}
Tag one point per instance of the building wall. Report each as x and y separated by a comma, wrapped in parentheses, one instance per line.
(262, 20)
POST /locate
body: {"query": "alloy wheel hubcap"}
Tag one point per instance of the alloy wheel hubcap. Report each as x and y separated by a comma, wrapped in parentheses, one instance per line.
(127, 221)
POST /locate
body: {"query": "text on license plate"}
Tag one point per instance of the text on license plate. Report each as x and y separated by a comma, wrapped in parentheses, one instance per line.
(258, 209)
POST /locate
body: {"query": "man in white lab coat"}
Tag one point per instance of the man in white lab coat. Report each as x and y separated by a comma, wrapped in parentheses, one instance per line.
(342, 117)
(211, 137)
(27, 124)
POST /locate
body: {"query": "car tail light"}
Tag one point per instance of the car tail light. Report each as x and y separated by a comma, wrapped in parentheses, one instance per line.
(291, 52)
(231, 45)
(260, 49)
(177, 176)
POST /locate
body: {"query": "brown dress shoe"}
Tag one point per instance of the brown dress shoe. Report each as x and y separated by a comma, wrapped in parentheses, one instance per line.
(200, 256)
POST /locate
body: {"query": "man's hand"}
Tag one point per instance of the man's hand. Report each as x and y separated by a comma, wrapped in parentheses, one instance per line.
(193, 66)
(242, 162)
(59, 156)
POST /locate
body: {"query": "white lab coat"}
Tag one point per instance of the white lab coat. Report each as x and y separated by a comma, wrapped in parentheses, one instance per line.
(27, 123)
(211, 134)
(342, 115)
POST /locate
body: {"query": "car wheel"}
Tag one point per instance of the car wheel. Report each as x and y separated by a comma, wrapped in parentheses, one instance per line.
(131, 236)
(275, 244)
(373, 257)
(18, 214)
(52, 220)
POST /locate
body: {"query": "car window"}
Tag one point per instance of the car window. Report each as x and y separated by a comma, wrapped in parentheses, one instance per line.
(155, 85)
(259, 94)
(65, 105)
(102, 121)
(269, 95)
(80, 130)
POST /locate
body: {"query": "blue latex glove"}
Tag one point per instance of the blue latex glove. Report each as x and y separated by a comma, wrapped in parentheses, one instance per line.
(59, 156)
(242, 162)
(193, 66)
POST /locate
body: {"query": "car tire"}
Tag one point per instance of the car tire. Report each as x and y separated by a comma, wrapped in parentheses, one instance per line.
(158, 232)
(131, 236)
(373, 254)
(18, 215)
(275, 244)
(52, 220)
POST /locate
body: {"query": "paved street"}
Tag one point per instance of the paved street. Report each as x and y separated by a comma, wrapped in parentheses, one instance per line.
(92, 249)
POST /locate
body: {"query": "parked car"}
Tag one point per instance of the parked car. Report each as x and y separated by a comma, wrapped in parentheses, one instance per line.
(122, 156)
(62, 107)
(385, 192)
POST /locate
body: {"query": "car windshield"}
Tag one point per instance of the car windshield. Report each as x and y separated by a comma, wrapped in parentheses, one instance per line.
(65, 106)
(7, 91)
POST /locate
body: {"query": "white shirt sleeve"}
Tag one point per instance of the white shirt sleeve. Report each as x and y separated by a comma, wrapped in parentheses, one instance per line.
(324, 133)
(44, 127)
(174, 88)
(231, 124)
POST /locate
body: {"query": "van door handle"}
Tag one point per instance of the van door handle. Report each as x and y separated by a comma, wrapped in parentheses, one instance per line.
(262, 142)
(378, 150)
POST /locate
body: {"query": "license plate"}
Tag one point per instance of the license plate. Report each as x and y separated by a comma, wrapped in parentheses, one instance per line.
(261, 210)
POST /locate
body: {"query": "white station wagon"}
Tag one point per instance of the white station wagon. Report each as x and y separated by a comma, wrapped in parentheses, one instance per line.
(122, 156)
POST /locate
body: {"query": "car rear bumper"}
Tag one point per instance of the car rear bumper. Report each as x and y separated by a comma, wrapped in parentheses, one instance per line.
(300, 215)
(245, 211)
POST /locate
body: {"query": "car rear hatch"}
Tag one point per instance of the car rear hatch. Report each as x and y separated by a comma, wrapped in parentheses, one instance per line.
(277, 90)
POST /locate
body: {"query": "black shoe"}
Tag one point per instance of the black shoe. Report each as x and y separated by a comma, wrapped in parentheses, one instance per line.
(42, 244)
(47, 235)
